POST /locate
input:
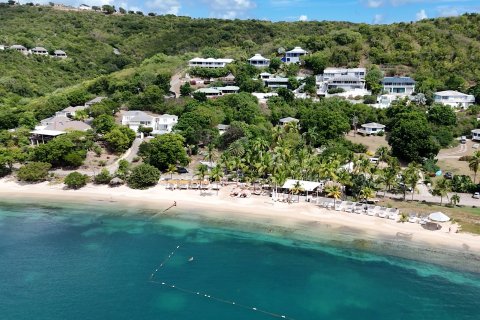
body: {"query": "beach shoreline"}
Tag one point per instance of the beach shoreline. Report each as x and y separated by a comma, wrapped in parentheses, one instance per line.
(303, 220)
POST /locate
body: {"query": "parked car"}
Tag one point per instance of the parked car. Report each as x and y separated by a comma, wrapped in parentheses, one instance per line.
(476, 195)
(448, 175)
(463, 139)
(182, 170)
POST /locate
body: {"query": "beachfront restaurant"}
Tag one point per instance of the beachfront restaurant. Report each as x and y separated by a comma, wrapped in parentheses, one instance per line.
(306, 186)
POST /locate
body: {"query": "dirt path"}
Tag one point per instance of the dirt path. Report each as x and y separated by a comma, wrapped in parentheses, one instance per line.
(175, 83)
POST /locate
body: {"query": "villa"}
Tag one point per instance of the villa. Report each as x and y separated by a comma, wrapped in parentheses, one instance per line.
(258, 61)
(160, 124)
(454, 99)
(385, 100)
(218, 91)
(70, 111)
(222, 128)
(39, 51)
(94, 101)
(293, 56)
(59, 54)
(329, 73)
(84, 7)
(276, 82)
(52, 127)
(476, 134)
(209, 63)
(287, 120)
(229, 79)
(400, 86)
(3, 47)
(371, 128)
(19, 48)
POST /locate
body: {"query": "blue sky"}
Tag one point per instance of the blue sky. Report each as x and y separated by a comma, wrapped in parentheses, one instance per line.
(369, 11)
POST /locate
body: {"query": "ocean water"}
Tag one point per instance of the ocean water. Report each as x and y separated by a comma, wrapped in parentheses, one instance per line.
(59, 262)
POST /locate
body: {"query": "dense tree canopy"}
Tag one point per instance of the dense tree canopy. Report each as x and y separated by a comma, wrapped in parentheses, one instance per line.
(164, 150)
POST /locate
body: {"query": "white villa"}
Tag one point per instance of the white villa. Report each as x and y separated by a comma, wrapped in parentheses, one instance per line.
(39, 51)
(476, 134)
(259, 61)
(359, 73)
(59, 54)
(265, 75)
(385, 100)
(263, 97)
(371, 128)
(276, 82)
(160, 124)
(454, 99)
(19, 48)
(286, 120)
(70, 111)
(293, 56)
(352, 81)
(209, 62)
(222, 128)
(218, 91)
(400, 86)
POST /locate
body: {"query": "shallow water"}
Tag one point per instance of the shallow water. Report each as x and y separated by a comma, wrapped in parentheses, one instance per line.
(60, 262)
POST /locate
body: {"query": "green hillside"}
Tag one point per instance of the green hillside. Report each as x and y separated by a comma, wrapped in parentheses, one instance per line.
(439, 53)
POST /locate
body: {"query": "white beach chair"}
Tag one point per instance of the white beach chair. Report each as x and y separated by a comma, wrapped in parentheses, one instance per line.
(382, 212)
(371, 210)
(338, 205)
(351, 208)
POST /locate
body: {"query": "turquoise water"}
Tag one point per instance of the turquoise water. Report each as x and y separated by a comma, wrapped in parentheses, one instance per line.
(73, 263)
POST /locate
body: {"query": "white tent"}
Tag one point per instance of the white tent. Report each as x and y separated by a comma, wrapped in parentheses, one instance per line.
(439, 217)
(306, 185)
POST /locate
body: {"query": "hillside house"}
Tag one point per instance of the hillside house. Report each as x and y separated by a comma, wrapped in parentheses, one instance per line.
(229, 79)
(400, 86)
(476, 134)
(70, 112)
(276, 82)
(59, 54)
(385, 100)
(371, 128)
(214, 92)
(293, 56)
(454, 99)
(160, 124)
(209, 63)
(359, 73)
(93, 101)
(53, 127)
(259, 61)
(19, 48)
(222, 128)
(41, 51)
(287, 120)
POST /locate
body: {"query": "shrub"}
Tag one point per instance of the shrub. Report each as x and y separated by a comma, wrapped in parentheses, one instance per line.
(34, 171)
(76, 180)
(370, 99)
(465, 158)
(143, 176)
(103, 177)
(335, 90)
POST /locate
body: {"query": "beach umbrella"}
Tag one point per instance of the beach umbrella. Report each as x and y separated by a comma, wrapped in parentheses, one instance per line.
(438, 173)
(439, 217)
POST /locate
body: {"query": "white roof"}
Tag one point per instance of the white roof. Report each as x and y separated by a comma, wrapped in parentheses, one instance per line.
(373, 125)
(476, 131)
(258, 57)
(265, 74)
(438, 216)
(18, 46)
(39, 49)
(224, 60)
(46, 132)
(59, 52)
(208, 90)
(276, 79)
(297, 50)
(451, 93)
(288, 119)
(343, 70)
(166, 115)
(306, 185)
(228, 88)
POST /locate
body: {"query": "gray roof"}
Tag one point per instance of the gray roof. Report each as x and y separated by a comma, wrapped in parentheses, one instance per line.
(55, 119)
(398, 80)
(17, 46)
(223, 126)
(138, 116)
(68, 126)
(96, 100)
(59, 52)
(373, 125)
(345, 78)
(39, 49)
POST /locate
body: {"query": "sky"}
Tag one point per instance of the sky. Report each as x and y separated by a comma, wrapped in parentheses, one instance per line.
(367, 11)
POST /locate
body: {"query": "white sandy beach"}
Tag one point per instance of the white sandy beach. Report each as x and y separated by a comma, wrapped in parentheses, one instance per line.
(256, 209)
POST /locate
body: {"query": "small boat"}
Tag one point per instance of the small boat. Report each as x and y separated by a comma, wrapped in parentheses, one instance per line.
(190, 259)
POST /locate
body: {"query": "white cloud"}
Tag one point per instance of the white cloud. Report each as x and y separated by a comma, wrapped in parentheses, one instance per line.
(378, 18)
(374, 3)
(303, 18)
(421, 15)
(164, 6)
(448, 11)
(230, 9)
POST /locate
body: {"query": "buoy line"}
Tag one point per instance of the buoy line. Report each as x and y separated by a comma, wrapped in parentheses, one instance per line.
(205, 295)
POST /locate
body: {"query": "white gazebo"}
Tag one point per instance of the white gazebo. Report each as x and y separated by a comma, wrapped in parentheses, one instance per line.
(372, 128)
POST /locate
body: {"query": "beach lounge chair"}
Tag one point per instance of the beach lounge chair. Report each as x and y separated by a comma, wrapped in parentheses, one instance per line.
(371, 210)
(359, 208)
(412, 218)
(382, 212)
(351, 208)
(347, 205)
(330, 205)
(215, 186)
(338, 205)
(393, 214)
(194, 185)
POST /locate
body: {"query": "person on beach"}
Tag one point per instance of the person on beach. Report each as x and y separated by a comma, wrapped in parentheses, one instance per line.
(174, 203)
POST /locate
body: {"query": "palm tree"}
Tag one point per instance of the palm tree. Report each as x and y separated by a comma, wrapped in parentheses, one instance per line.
(278, 178)
(334, 190)
(201, 172)
(388, 178)
(297, 189)
(455, 199)
(171, 170)
(382, 154)
(216, 174)
(210, 155)
(474, 164)
(410, 177)
(366, 193)
(441, 189)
